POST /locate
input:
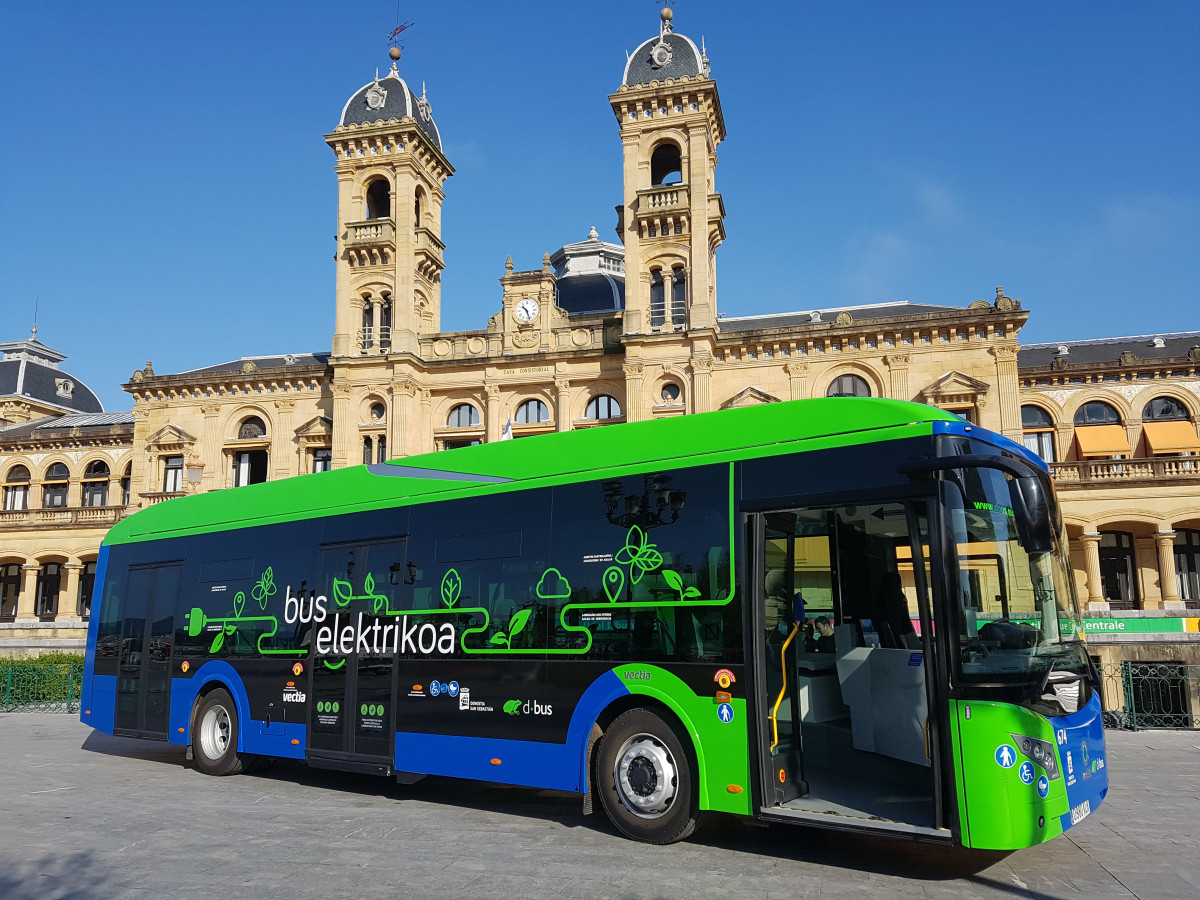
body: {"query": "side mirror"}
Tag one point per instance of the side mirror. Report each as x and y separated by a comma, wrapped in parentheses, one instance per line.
(1034, 516)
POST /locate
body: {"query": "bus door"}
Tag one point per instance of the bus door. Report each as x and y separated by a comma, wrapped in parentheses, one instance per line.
(847, 691)
(352, 698)
(147, 634)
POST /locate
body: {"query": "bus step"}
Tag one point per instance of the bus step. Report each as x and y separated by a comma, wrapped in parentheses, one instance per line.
(363, 767)
(409, 777)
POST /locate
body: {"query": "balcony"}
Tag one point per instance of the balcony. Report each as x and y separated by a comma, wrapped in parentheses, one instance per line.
(663, 208)
(73, 517)
(428, 253)
(1084, 474)
(371, 233)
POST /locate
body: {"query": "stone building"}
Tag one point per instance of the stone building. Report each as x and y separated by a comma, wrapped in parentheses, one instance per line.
(66, 470)
(605, 332)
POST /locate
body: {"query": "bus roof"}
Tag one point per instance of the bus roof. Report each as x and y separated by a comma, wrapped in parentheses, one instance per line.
(681, 440)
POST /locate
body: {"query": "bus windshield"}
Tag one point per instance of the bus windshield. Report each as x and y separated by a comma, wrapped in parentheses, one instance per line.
(1018, 618)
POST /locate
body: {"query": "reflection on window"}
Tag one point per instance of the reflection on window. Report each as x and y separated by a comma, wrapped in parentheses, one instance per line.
(173, 473)
(531, 412)
(16, 488)
(603, 407)
(49, 582)
(463, 416)
(1097, 412)
(848, 386)
(322, 460)
(54, 487)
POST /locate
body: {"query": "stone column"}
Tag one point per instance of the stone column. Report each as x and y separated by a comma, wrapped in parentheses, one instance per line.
(634, 375)
(1091, 551)
(376, 321)
(1009, 389)
(68, 599)
(402, 431)
(74, 492)
(426, 421)
(25, 600)
(493, 426)
(562, 410)
(283, 442)
(1168, 580)
(897, 364)
(797, 379)
(702, 367)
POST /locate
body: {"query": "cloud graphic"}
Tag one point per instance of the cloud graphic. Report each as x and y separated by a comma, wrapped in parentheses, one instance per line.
(553, 586)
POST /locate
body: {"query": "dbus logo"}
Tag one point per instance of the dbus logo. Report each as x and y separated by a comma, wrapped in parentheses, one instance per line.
(528, 707)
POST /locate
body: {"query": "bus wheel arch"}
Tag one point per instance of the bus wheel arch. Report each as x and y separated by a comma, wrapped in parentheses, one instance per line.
(216, 732)
(644, 770)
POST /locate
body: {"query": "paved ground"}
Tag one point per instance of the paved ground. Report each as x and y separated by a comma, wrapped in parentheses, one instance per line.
(86, 815)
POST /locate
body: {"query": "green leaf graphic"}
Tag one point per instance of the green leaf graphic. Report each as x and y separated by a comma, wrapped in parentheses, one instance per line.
(499, 638)
(239, 603)
(336, 665)
(517, 624)
(692, 592)
(451, 588)
(369, 584)
(218, 642)
(672, 578)
(341, 592)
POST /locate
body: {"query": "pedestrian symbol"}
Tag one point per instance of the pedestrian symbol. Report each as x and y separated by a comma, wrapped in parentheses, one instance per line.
(725, 713)
(1026, 772)
(1043, 787)
(1006, 756)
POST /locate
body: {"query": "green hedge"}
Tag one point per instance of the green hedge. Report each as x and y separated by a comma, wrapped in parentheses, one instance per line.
(48, 683)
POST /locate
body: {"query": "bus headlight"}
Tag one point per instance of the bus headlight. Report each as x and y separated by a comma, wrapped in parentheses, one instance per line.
(1041, 752)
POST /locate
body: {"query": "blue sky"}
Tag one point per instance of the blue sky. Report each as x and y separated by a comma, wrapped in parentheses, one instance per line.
(166, 193)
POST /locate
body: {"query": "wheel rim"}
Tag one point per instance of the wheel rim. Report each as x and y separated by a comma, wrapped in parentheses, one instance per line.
(215, 732)
(646, 777)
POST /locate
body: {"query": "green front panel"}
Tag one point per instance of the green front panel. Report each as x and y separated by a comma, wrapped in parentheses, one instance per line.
(999, 810)
(722, 747)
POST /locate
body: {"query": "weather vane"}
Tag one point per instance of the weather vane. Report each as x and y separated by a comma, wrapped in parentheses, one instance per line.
(394, 40)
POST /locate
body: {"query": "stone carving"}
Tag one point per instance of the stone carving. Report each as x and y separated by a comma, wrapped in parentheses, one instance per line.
(526, 339)
(1061, 397)
(897, 360)
(1128, 358)
(248, 367)
(844, 318)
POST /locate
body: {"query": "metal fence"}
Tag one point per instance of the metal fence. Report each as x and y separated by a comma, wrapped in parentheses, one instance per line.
(1140, 695)
(26, 686)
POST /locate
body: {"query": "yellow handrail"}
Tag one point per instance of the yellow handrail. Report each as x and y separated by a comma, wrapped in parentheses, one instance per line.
(782, 690)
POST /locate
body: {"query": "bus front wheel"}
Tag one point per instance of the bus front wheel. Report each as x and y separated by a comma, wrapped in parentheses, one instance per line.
(644, 779)
(215, 735)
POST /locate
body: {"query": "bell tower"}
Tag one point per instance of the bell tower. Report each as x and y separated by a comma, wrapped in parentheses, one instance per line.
(672, 218)
(391, 172)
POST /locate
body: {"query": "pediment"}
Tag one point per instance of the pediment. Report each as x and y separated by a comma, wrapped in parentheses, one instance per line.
(169, 437)
(750, 396)
(955, 387)
(320, 426)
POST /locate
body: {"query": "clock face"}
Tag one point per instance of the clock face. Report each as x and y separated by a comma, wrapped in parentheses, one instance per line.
(526, 310)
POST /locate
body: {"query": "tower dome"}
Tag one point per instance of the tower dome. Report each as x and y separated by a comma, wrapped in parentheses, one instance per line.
(669, 55)
(390, 98)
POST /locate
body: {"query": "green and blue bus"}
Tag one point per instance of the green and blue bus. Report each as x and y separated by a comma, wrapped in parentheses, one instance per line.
(849, 613)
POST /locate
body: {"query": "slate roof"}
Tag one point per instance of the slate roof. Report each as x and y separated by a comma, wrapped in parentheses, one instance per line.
(40, 384)
(319, 358)
(685, 60)
(829, 315)
(1109, 350)
(46, 425)
(399, 103)
(593, 292)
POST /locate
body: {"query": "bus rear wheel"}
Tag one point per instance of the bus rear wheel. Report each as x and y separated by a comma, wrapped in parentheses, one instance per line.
(215, 735)
(644, 779)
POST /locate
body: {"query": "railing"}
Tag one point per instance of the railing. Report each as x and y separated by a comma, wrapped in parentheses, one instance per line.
(1108, 471)
(153, 497)
(77, 515)
(663, 198)
(370, 232)
(369, 338)
(1139, 695)
(33, 686)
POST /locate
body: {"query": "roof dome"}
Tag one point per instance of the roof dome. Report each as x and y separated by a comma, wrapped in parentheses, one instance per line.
(669, 55)
(29, 371)
(390, 98)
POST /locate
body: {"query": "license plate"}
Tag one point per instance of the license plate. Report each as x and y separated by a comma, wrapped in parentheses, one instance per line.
(1081, 812)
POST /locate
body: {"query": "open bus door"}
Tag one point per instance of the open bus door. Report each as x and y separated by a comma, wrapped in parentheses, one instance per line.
(144, 660)
(850, 705)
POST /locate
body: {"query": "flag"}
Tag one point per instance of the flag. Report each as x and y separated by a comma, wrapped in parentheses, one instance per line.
(506, 435)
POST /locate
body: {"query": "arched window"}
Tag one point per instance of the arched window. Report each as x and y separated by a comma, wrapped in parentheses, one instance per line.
(1187, 565)
(666, 164)
(531, 412)
(366, 338)
(603, 407)
(251, 427)
(49, 583)
(10, 590)
(378, 412)
(658, 299)
(463, 416)
(54, 486)
(1164, 409)
(16, 488)
(848, 386)
(87, 586)
(670, 392)
(368, 456)
(1097, 412)
(126, 484)
(385, 323)
(1038, 431)
(1118, 569)
(379, 200)
(418, 202)
(95, 484)
(678, 296)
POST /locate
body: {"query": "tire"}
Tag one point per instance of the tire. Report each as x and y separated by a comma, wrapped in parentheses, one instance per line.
(215, 735)
(645, 778)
